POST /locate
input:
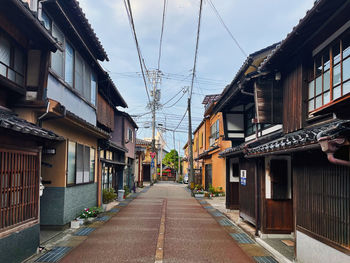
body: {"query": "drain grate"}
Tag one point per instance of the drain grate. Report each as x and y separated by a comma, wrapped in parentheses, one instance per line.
(114, 210)
(203, 202)
(265, 259)
(225, 222)
(207, 207)
(103, 218)
(123, 204)
(241, 238)
(54, 255)
(84, 231)
(217, 214)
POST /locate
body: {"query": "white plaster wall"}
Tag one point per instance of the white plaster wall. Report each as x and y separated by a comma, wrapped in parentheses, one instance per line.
(58, 92)
(310, 250)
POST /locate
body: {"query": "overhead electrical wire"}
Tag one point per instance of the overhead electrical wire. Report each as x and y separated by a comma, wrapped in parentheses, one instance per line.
(141, 61)
(196, 50)
(227, 29)
(161, 34)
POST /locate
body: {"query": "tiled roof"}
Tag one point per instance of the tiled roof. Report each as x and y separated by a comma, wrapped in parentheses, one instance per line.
(143, 142)
(9, 120)
(291, 141)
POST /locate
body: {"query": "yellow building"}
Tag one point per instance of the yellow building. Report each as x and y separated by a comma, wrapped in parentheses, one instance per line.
(210, 135)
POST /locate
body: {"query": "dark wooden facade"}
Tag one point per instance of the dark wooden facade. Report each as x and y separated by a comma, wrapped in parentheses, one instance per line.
(322, 198)
(105, 112)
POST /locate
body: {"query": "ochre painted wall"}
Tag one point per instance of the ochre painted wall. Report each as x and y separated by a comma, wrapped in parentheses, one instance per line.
(57, 173)
(218, 164)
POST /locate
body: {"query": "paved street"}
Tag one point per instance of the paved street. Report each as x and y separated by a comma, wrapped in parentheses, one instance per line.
(135, 234)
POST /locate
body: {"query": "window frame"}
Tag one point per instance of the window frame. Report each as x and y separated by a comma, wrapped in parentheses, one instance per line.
(14, 47)
(88, 92)
(130, 131)
(338, 43)
(90, 169)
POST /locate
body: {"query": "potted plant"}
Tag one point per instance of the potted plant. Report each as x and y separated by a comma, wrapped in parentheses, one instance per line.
(88, 214)
(198, 191)
(108, 198)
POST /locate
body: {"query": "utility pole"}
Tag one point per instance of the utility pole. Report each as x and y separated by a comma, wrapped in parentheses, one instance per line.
(154, 77)
(161, 154)
(179, 160)
(191, 175)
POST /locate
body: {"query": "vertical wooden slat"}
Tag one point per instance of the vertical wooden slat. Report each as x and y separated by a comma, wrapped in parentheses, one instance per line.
(1, 186)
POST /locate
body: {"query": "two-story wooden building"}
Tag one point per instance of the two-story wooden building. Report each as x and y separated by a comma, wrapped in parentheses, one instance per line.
(300, 169)
(25, 47)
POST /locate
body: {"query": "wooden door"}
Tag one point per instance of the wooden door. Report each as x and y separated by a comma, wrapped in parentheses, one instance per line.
(233, 187)
(146, 173)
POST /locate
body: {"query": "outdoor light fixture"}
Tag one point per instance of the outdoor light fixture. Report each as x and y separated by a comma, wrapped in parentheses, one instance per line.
(278, 76)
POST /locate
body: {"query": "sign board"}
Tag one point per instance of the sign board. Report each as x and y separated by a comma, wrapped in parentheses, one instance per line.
(152, 154)
(152, 163)
(244, 177)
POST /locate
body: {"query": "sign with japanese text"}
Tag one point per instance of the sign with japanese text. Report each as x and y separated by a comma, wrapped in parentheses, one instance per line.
(244, 177)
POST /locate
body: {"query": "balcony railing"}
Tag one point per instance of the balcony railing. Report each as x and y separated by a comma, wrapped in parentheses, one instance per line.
(11, 74)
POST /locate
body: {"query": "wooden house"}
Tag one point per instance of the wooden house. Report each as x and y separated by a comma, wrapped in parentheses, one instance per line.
(302, 169)
(25, 46)
(143, 161)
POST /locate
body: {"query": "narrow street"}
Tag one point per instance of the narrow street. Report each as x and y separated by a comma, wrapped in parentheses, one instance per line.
(135, 233)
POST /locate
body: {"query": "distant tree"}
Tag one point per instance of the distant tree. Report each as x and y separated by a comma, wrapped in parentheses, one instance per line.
(171, 159)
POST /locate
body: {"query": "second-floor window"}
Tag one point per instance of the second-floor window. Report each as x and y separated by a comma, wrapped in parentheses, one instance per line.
(201, 140)
(214, 132)
(130, 135)
(72, 68)
(249, 126)
(330, 78)
(12, 65)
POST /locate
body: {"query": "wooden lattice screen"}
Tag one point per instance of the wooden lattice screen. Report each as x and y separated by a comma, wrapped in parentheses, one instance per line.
(19, 184)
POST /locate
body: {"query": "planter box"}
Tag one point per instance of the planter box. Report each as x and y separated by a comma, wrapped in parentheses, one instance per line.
(76, 223)
(109, 206)
(199, 195)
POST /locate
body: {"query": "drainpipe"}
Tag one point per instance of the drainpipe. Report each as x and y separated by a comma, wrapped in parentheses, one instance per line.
(331, 144)
(39, 121)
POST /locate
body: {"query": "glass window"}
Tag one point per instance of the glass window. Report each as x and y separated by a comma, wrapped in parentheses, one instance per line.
(80, 164)
(92, 164)
(71, 162)
(326, 81)
(93, 88)
(57, 57)
(346, 48)
(79, 69)
(336, 53)
(336, 75)
(346, 69)
(319, 85)
(87, 82)
(5, 55)
(69, 64)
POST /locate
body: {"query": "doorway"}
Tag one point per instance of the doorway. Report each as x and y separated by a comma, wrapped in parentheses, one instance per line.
(208, 176)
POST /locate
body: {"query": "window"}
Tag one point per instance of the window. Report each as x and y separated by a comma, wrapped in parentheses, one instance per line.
(330, 78)
(57, 57)
(81, 164)
(69, 64)
(279, 180)
(19, 187)
(12, 65)
(201, 140)
(72, 68)
(249, 126)
(130, 135)
(214, 132)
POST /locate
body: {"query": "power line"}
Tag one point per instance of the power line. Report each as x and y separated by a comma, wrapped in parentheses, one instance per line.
(141, 61)
(181, 120)
(172, 105)
(227, 29)
(173, 97)
(161, 34)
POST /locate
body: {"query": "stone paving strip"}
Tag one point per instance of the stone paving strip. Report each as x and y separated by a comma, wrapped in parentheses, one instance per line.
(60, 248)
(248, 245)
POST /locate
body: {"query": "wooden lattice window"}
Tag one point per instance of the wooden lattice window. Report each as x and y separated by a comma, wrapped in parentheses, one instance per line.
(19, 184)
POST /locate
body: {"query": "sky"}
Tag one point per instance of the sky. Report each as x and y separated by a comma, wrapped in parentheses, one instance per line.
(255, 24)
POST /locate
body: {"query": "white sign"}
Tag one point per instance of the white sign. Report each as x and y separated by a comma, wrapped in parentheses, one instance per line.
(243, 177)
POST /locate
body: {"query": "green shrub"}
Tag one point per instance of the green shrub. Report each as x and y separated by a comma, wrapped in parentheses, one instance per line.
(91, 212)
(108, 195)
(127, 190)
